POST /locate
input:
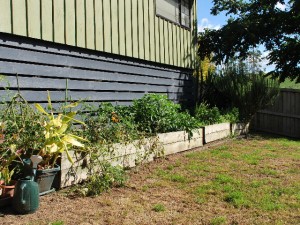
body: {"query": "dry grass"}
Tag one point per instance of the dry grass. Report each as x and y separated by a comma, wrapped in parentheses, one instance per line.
(243, 181)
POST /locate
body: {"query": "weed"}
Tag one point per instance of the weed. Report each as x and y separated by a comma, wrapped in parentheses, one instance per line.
(237, 199)
(109, 177)
(57, 223)
(159, 208)
(218, 220)
(178, 178)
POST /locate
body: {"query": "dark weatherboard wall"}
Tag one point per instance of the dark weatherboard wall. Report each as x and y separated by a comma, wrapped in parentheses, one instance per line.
(91, 75)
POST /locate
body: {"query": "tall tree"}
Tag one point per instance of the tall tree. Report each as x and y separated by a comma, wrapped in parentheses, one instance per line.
(272, 23)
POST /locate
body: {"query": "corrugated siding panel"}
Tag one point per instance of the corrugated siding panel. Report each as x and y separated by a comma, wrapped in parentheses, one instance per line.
(125, 27)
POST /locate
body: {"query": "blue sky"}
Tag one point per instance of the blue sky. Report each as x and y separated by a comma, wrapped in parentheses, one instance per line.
(206, 20)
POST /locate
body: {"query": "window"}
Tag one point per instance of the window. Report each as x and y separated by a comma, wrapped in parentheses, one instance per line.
(177, 11)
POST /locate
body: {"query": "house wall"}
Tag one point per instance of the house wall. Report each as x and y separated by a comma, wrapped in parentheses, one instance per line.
(87, 74)
(123, 27)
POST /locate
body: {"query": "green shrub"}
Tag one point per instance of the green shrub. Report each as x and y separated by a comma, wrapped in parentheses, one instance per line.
(111, 124)
(207, 115)
(155, 113)
(110, 176)
(235, 87)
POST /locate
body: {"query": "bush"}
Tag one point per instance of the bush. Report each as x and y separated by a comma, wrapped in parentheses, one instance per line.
(111, 124)
(157, 114)
(235, 87)
(207, 115)
(110, 176)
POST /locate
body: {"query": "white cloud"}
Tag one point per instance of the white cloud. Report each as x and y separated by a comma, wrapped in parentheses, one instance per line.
(264, 63)
(205, 23)
(280, 6)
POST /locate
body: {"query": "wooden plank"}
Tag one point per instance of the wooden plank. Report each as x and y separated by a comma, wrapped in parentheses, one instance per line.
(141, 39)
(70, 22)
(122, 31)
(107, 26)
(128, 28)
(157, 39)
(59, 22)
(174, 40)
(162, 41)
(37, 83)
(99, 25)
(5, 16)
(19, 12)
(171, 44)
(152, 30)
(90, 26)
(115, 25)
(166, 42)
(146, 30)
(47, 25)
(77, 62)
(41, 96)
(134, 24)
(189, 49)
(80, 24)
(71, 72)
(179, 44)
(34, 18)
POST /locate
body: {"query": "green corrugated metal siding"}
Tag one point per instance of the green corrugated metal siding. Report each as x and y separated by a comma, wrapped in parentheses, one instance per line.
(125, 27)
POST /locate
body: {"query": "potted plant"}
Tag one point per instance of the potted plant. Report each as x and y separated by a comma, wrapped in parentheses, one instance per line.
(58, 138)
(7, 185)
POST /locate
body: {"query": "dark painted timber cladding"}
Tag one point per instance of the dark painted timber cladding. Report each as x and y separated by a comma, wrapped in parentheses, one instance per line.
(87, 74)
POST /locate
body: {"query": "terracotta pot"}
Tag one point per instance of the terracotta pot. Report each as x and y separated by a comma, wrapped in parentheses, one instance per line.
(7, 190)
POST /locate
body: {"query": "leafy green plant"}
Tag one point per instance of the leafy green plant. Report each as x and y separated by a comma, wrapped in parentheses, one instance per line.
(155, 113)
(234, 86)
(110, 176)
(57, 134)
(159, 208)
(207, 115)
(6, 175)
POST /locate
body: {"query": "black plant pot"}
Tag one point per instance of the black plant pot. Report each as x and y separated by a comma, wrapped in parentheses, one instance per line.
(45, 179)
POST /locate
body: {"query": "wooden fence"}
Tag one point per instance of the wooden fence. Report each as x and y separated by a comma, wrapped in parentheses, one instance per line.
(283, 117)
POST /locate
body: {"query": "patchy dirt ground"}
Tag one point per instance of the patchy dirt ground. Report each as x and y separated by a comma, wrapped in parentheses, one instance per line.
(254, 181)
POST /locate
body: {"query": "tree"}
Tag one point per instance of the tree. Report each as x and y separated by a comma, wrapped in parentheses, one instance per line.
(253, 23)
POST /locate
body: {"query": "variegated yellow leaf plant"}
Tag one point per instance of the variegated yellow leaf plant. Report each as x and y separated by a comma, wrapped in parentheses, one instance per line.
(58, 138)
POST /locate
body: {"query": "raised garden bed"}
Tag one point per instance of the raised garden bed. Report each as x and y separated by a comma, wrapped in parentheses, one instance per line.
(128, 155)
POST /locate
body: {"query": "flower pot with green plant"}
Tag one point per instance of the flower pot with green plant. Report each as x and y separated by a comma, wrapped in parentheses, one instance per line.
(58, 138)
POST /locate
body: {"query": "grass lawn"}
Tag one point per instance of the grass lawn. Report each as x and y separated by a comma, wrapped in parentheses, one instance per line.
(241, 181)
(290, 84)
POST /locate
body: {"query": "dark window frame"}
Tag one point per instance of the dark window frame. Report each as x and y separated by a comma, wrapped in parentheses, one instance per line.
(180, 16)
